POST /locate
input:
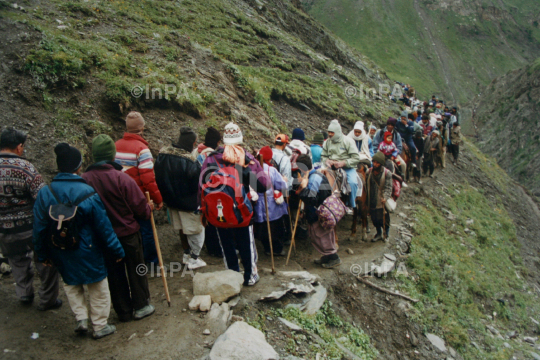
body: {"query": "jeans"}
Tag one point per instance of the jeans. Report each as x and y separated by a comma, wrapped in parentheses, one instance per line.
(352, 179)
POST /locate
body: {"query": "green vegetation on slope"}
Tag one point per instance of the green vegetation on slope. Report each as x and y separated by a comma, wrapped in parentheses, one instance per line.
(467, 279)
(486, 40)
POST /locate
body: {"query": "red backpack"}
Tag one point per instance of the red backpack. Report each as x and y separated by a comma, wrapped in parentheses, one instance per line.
(224, 201)
(294, 156)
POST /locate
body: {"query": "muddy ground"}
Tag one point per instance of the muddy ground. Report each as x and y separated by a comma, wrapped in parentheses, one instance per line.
(174, 333)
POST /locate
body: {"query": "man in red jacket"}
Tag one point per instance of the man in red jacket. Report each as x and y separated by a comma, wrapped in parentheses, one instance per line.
(133, 154)
(125, 204)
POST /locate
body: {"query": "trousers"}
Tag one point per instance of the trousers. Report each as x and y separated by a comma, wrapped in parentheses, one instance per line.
(148, 242)
(242, 239)
(352, 179)
(99, 298)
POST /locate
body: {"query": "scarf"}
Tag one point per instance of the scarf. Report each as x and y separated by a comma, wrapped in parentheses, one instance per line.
(357, 138)
(234, 154)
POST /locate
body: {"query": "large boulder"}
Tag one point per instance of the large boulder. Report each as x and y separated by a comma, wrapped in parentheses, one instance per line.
(242, 342)
(220, 285)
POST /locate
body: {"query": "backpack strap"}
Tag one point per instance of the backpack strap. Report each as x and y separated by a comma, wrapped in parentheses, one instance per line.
(75, 204)
(84, 198)
(54, 194)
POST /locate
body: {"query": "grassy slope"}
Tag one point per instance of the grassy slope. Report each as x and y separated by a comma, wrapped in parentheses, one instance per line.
(392, 34)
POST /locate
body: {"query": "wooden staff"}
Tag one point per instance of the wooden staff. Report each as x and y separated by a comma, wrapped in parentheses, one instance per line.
(159, 253)
(268, 218)
(294, 232)
(384, 221)
(290, 220)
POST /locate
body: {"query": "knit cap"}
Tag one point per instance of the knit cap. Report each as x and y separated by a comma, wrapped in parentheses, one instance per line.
(391, 121)
(379, 157)
(334, 126)
(186, 139)
(212, 137)
(266, 153)
(135, 122)
(298, 134)
(68, 158)
(359, 125)
(103, 148)
(318, 139)
(232, 135)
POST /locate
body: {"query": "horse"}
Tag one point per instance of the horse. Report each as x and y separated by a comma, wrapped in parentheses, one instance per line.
(407, 158)
(362, 209)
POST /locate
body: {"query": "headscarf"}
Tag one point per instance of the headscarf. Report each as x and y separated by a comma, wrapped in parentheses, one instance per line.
(335, 127)
(267, 154)
(234, 154)
(386, 135)
(358, 126)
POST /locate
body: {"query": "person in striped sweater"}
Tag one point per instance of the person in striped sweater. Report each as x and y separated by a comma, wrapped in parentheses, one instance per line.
(133, 154)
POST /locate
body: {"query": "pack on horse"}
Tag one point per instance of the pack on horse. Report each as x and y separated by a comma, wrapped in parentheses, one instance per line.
(407, 158)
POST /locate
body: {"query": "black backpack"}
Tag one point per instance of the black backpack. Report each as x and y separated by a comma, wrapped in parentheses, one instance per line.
(63, 229)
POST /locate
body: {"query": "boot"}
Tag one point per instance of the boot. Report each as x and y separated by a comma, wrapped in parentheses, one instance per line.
(322, 260)
(144, 312)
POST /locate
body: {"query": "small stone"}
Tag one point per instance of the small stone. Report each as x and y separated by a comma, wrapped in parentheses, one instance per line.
(200, 302)
(206, 332)
(469, 222)
(290, 325)
(437, 342)
(512, 334)
(529, 339)
(148, 333)
(535, 355)
(506, 345)
(132, 336)
(390, 257)
(62, 27)
(349, 251)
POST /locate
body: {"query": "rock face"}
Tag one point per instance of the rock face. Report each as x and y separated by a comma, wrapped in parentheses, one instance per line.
(220, 285)
(242, 342)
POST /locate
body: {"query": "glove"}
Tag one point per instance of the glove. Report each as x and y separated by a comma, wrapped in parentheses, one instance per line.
(278, 197)
(253, 196)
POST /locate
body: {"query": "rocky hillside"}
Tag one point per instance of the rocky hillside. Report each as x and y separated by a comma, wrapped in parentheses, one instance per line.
(74, 69)
(507, 117)
(452, 48)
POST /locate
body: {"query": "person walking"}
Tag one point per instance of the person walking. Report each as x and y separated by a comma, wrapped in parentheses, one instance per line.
(251, 174)
(21, 183)
(125, 205)
(431, 147)
(177, 176)
(133, 154)
(93, 235)
(313, 189)
(379, 189)
(456, 138)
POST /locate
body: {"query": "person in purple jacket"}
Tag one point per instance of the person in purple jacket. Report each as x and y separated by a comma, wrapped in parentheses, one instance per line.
(277, 208)
(125, 205)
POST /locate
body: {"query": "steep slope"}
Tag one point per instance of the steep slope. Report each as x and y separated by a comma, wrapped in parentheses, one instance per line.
(76, 68)
(507, 117)
(449, 48)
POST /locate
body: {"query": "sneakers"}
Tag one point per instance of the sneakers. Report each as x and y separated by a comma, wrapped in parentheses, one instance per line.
(255, 279)
(404, 184)
(56, 305)
(186, 258)
(431, 176)
(332, 262)
(414, 165)
(377, 237)
(82, 326)
(195, 263)
(322, 260)
(350, 211)
(107, 330)
(27, 300)
(144, 312)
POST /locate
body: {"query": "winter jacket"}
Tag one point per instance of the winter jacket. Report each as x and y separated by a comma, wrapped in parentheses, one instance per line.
(342, 150)
(379, 138)
(406, 131)
(85, 265)
(362, 144)
(123, 200)
(316, 151)
(389, 150)
(376, 190)
(429, 144)
(275, 211)
(133, 154)
(426, 129)
(252, 174)
(283, 165)
(419, 143)
(317, 190)
(20, 183)
(177, 176)
(456, 137)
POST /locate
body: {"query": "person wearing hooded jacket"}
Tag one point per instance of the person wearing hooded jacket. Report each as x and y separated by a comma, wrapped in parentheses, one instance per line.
(362, 142)
(431, 147)
(340, 151)
(86, 264)
(177, 176)
(125, 204)
(252, 175)
(406, 129)
(277, 208)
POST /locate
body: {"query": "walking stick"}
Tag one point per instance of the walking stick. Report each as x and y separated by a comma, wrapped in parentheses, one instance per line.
(159, 253)
(294, 232)
(268, 219)
(384, 221)
(290, 220)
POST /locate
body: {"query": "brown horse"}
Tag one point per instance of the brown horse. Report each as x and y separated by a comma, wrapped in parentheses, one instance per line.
(407, 158)
(362, 209)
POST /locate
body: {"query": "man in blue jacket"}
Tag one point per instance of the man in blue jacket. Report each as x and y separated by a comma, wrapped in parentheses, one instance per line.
(378, 138)
(84, 265)
(405, 127)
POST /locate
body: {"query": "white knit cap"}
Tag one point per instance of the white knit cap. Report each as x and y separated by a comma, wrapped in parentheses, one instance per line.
(232, 135)
(359, 125)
